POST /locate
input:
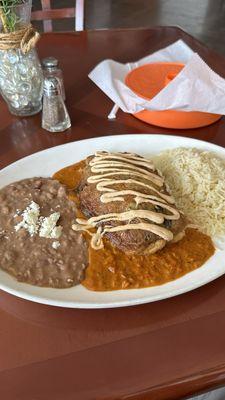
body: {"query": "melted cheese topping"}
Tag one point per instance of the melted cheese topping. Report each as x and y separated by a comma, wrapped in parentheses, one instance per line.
(105, 168)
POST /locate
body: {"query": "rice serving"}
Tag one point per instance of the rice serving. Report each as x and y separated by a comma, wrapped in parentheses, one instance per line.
(197, 181)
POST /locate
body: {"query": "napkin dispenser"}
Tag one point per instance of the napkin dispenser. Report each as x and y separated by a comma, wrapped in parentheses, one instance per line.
(147, 81)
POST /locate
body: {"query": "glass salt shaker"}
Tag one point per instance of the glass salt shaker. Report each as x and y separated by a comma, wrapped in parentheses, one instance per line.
(51, 68)
(55, 117)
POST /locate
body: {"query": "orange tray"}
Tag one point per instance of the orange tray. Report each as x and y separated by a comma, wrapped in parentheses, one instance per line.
(147, 81)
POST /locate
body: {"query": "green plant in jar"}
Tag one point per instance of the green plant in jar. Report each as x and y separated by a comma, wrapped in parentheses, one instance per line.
(20, 70)
(8, 16)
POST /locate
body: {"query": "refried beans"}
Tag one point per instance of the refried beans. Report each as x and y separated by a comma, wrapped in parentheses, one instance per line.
(41, 261)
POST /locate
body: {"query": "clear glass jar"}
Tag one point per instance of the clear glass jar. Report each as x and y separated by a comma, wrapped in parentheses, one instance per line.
(21, 77)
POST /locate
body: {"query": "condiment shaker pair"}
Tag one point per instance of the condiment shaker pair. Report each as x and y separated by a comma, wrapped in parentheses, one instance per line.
(55, 117)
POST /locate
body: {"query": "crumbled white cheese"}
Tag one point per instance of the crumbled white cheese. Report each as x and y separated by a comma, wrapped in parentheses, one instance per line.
(48, 228)
(30, 220)
(55, 244)
(56, 232)
(34, 223)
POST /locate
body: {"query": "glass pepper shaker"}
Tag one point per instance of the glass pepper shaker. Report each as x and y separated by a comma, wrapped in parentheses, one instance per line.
(55, 117)
(51, 68)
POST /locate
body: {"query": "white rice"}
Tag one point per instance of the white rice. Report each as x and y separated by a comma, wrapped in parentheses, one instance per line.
(197, 181)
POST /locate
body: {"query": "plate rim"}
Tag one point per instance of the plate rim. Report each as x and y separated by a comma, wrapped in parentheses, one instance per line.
(49, 149)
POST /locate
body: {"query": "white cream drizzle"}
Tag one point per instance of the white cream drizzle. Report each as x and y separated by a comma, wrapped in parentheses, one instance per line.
(102, 186)
(105, 165)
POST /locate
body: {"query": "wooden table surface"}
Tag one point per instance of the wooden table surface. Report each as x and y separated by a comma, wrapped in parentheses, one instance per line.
(162, 350)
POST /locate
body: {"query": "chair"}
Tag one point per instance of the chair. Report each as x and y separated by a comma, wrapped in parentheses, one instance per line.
(47, 14)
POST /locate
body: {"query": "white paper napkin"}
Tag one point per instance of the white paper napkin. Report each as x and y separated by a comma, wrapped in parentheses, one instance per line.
(195, 88)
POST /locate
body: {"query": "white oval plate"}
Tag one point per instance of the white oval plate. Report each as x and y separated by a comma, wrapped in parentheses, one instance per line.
(45, 163)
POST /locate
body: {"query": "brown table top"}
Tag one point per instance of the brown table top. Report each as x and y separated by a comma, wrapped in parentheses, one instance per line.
(162, 350)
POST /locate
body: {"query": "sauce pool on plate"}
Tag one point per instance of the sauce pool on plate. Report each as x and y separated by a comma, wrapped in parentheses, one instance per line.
(112, 269)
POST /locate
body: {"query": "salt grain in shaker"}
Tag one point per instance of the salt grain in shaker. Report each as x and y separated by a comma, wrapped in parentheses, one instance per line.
(55, 117)
(51, 68)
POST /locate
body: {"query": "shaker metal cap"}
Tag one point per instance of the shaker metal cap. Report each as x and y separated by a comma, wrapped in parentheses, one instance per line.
(51, 85)
(50, 62)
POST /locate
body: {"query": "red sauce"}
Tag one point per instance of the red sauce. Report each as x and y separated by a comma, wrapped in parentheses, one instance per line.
(112, 269)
